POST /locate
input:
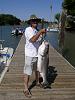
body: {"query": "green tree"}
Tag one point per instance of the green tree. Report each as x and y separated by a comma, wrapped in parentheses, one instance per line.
(70, 6)
(7, 19)
(57, 17)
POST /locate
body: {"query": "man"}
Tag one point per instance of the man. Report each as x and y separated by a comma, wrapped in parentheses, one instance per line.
(33, 42)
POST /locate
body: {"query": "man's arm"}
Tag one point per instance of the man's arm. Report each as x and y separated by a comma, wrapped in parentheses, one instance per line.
(35, 37)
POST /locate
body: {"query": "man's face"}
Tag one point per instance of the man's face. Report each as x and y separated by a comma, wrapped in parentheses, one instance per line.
(34, 24)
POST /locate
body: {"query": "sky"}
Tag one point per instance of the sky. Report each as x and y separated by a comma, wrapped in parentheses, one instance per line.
(23, 9)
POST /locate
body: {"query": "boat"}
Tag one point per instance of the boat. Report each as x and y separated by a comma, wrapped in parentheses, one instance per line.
(17, 31)
(6, 54)
(52, 26)
(52, 29)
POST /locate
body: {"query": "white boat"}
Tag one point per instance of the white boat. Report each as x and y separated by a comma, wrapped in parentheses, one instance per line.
(17, 31)
(52, 29)
(6, 56)
(5, 59)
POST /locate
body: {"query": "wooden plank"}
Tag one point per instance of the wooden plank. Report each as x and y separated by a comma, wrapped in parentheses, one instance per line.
(61, 76)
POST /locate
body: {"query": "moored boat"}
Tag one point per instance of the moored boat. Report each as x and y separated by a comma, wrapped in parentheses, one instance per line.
(6, 54)
(52, 29)
(17, 31)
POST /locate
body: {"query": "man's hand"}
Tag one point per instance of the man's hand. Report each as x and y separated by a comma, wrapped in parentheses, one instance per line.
(42, 31)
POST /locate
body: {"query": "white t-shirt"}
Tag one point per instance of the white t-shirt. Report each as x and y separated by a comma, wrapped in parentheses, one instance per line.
(31, 49)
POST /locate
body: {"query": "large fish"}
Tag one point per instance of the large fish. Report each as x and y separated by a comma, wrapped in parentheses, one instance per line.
(43, 59)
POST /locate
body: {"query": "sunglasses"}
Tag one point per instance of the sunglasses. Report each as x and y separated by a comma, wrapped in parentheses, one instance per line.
(34, 22)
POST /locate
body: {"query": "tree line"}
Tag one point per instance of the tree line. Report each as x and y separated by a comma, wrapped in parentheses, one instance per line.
(69, 6)
(68, 11)
(7, 19)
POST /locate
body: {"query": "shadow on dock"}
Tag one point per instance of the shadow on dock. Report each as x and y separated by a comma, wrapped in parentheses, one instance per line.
(51, 75)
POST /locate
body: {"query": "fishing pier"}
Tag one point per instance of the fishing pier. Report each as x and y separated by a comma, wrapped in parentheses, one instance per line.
(61, 76)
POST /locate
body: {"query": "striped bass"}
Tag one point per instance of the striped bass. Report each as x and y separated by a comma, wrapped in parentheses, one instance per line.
(43, 59)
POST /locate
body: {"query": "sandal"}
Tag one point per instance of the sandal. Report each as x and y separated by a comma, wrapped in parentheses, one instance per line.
(27, 93)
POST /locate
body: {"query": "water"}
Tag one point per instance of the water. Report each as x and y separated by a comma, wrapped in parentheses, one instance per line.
(69, 42)
(69, 47)
(52, 37)
(9, 40)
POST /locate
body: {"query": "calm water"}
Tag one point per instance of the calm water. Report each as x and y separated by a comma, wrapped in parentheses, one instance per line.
(69, 45)
(10, 41)
(69, 48)
(52, 37)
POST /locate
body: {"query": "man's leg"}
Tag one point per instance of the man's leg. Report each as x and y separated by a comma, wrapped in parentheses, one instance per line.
(26, 81)
(27, 73)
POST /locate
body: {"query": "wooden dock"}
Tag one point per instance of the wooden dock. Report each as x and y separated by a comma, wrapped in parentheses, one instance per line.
(61, 76)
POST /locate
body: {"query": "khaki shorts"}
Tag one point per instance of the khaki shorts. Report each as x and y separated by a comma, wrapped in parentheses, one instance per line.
(30, 65)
